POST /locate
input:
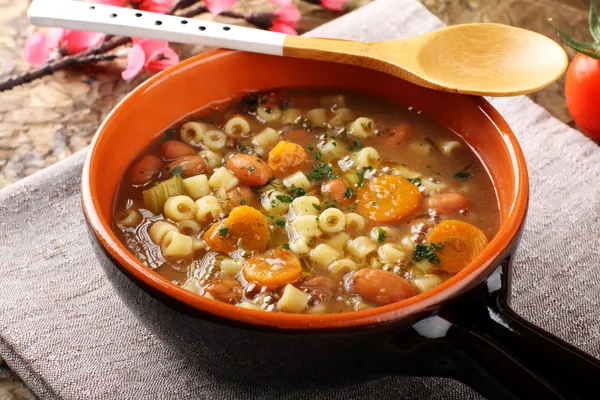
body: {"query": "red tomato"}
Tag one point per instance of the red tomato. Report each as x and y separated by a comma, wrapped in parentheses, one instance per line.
(582, 91)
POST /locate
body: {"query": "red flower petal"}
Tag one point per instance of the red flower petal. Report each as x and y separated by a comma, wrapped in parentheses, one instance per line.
(135, 62)
(335, 5)
(118, 3)
(157, 6)
(288, 15)
(36, 51)
(216, 7)
(283, 28)
(77, 41)
(161, 59)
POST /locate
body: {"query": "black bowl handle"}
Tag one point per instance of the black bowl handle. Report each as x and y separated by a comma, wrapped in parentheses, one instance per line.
(502, 356)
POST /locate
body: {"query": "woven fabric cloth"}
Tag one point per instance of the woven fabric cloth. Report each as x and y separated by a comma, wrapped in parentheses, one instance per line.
(68, 336)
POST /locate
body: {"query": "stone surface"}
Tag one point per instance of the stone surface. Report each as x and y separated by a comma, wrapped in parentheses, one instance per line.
(46, 121)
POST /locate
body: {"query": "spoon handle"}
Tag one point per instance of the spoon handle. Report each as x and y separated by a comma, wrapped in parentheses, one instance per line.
(135, 23)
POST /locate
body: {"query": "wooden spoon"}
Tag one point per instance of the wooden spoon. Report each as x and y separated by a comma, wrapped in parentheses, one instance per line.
(479, 59)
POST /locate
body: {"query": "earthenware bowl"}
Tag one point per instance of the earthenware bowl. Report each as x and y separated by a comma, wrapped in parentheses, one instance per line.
(462, 329)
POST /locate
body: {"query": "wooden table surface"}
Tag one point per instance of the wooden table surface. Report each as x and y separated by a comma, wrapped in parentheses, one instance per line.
(50, 119)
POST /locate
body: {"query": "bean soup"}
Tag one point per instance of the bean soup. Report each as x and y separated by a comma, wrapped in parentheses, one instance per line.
(306, 202)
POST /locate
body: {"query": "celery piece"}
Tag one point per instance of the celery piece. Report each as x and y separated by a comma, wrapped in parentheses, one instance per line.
(156, 197)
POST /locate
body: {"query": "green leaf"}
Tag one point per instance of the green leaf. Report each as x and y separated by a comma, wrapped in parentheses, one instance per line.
(462, 175)
(594, 22)
(223, 231)
(589, 49)
(177, 171)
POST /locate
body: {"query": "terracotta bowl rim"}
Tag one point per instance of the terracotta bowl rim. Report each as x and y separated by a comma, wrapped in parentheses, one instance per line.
(413, 306)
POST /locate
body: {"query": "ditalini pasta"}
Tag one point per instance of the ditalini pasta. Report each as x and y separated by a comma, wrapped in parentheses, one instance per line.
(301, 202)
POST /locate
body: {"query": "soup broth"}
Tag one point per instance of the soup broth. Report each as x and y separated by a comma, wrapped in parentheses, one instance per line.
(306, 202)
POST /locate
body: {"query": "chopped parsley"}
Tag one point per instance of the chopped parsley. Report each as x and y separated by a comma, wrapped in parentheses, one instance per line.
(280, 222)
(298, 192)
(414, 181)
(321, 171)
(177, 171)
(223, 231)
(374, 204)
(349, 192)
(251, 168)
(462, 175)
(425, 252)
(243, 201)
(316, 206)
(361, 175)
(380, 235)
(318, 155)
(286, 246)
(284, 198)
(310, 148)
(429, 166)
(355, 145)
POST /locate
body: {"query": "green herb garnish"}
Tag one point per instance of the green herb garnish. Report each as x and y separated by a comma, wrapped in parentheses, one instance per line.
(349, 192)
(298, 192)
(223, 231)
(251, 168)
(414, 181)
(243, 202)
(280, 222)
(361, 175)
(321, 171)
(286, 246)
(318, 155)
(177, 171)
(284, 198)
(462, 175)
(380, 235)
(316, 206)
(425, 252)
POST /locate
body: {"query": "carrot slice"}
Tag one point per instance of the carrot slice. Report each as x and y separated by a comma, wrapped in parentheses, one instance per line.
(273, 268)
(461, 242)
(286, 158)
(388, 198)
(245, 227)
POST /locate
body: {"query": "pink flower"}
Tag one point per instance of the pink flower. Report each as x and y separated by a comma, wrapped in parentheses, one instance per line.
(282, 2)
(335, 5)
(157, 6)
(286, 20)
(216, 7)
(117, 3)
(39, 46)
(151, 55)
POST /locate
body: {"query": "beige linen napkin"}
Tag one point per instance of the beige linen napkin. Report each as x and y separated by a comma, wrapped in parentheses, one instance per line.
(68, 336)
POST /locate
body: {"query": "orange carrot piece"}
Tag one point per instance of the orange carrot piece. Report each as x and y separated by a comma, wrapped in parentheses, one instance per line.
(461, 242)
(287, 158)
(245, 227)
(273, 268)
(388, 198)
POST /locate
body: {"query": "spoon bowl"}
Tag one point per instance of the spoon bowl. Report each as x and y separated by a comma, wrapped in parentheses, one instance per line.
(480, 59)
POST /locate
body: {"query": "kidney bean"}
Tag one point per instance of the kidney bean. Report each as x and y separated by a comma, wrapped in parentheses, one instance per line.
(241, 195)
(190, 165)
(381, 287)
(335, 190)
(145, 169)
(250, 170)
(228, 290)
(448, 202)
(172, 149)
